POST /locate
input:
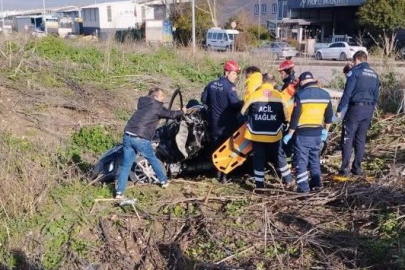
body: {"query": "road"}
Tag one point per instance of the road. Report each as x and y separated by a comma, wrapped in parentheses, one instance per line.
(325, 71)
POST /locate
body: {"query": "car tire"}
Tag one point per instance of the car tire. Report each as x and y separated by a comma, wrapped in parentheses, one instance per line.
(318, 56)
(142, 171)
(343, 57)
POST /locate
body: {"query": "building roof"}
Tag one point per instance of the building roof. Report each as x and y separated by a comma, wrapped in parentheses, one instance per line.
(110, 4)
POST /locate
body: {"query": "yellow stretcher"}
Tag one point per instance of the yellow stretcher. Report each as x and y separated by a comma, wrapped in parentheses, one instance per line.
(233, 152)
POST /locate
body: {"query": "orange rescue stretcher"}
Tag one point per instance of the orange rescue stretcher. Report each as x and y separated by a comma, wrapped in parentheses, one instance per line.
(233, 152)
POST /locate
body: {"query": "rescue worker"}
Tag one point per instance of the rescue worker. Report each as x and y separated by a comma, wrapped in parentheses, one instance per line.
(290, 84)
(288, 89)
(360, 95)
(310, 121)
(267, 113)
(223, 107)
(253, 80)
(138, 134)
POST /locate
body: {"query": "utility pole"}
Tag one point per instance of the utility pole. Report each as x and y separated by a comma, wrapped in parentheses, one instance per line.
(43, 17)
(193, 24)
(258, 28)
(2, 15)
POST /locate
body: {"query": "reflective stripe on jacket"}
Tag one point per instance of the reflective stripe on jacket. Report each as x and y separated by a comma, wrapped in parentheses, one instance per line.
(267, 111)
(312, 108)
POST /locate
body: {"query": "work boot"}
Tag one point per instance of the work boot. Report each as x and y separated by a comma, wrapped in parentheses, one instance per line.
(344, 173)
(357, 173)
(259, 184)
(221, 177)
(289, 185)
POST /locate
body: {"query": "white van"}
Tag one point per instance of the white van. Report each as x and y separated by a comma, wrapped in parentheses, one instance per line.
(220, 39)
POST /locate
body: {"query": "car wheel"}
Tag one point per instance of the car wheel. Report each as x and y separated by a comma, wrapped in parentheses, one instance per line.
(343, 57)
(142, 171)
(318, 56)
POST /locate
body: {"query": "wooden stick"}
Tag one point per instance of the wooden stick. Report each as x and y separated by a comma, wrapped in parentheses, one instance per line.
(208, 194)
(235, 254)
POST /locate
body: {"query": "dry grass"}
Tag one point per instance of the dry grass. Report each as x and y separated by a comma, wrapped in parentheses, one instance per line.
(196, 223)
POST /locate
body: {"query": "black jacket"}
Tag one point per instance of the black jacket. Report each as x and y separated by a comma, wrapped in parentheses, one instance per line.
(145, 120)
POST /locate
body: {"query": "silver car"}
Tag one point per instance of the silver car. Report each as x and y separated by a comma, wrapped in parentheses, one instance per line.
(276, 50)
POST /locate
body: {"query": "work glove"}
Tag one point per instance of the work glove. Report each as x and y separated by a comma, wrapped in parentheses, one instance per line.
(287, 138)
(324, 135)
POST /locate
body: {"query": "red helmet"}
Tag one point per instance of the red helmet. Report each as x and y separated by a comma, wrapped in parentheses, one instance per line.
(231, 65)
(287, 64)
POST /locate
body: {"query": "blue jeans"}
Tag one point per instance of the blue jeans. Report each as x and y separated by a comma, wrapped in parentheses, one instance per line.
(131, 147)
(307, 150)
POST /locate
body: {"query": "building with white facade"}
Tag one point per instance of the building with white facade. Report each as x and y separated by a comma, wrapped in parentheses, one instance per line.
(106, 18)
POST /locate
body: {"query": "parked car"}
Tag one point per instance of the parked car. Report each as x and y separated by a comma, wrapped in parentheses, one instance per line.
(339, 51)
(276, 50)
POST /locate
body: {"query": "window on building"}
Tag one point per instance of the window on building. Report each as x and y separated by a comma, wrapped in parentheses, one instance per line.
(264, 9)
(274, 9)
(282, 9)
(256, 10)
(109, 14)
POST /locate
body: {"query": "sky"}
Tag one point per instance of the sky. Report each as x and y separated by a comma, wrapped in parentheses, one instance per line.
(11, 5)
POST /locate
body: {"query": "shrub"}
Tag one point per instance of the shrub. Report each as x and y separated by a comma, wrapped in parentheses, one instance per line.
(96, 139)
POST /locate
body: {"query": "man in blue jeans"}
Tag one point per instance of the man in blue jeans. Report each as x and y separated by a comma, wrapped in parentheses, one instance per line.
(138, 134)
(310, 121)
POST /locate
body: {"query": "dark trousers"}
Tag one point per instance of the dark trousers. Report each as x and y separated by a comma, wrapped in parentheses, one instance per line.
(355, 125)
(273, 152)
(306, 157)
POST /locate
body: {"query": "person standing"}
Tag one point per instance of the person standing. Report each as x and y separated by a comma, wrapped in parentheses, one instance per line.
(138, 134)
(310, 122)
(223, 107)
(288, 89)
(267, 113)
(360, 95)
(290, 83)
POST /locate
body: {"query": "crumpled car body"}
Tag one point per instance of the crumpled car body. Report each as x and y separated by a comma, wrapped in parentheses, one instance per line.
(177, 145)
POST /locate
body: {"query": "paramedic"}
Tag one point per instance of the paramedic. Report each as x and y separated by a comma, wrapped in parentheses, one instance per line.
(253, 80)
(310, 121)
(267, 113)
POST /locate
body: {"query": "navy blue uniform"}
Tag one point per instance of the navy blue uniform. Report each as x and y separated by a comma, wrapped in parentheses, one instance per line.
(223, 108)
(360, 95)
(313, 109)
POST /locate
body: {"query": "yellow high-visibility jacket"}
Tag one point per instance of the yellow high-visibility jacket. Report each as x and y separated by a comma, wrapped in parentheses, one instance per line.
(252, 83)
(267, 112)
(288, 96)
